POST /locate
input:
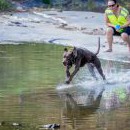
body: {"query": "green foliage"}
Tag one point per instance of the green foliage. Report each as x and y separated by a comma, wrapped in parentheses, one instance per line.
(91, 5)
(125, 3)
(4, 5)
(46, 1)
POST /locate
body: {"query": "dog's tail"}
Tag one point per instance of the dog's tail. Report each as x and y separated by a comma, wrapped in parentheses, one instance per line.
(98, 46)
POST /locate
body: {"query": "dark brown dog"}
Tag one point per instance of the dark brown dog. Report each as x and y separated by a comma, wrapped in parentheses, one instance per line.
(80, 57)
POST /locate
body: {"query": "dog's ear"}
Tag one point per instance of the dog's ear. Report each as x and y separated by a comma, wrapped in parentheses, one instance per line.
(75, 52)
(65, 49)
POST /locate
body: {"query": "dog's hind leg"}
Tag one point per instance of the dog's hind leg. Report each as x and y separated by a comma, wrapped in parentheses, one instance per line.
(91, 70)
(101, 73)
(99, 68)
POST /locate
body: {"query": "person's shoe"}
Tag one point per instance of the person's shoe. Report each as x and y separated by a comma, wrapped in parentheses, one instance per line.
(109, 50)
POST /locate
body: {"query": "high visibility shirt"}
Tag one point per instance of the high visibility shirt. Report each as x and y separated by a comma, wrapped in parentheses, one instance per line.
(117, 20)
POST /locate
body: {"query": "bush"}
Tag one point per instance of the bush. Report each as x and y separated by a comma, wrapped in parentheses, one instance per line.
(46, 1)
(4, 5)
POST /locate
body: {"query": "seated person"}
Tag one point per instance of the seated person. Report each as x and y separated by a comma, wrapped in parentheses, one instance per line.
(118, 23)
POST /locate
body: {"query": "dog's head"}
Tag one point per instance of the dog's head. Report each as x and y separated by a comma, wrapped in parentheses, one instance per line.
(69, 57)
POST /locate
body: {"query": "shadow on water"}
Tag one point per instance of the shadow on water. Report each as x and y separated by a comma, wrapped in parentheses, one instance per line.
(29, 74)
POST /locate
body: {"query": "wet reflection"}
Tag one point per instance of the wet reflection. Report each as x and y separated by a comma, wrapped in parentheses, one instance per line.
(80, 107)
(89, 109)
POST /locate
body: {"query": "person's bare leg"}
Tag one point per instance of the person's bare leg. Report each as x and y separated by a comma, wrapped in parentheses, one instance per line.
(126, 39)
(109, 35)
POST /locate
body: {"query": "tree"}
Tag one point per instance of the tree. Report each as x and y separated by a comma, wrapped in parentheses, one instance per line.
(46, 1)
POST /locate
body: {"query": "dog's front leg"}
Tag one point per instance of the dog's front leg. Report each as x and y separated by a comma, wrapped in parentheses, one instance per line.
(77, 66)
(67, 74)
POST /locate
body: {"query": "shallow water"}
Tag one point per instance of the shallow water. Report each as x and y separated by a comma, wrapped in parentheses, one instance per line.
(32, 92)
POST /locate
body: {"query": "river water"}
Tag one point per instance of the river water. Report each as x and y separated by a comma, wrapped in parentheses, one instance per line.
(32, 92)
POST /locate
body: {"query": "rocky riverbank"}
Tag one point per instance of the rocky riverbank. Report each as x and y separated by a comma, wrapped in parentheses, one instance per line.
(73, 28)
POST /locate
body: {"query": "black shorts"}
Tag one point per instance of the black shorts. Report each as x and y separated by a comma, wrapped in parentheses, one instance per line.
(126, 30)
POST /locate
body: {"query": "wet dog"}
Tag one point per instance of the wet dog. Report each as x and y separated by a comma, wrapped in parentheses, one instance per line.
(79, 57)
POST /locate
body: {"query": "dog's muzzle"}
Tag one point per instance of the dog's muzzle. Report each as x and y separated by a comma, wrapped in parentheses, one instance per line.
(64, 61)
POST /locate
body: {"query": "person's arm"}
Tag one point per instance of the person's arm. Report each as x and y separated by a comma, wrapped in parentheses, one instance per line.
(107, 22)
(127, 23)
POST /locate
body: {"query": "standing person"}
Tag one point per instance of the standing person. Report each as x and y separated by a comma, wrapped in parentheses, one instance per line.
(118, 23)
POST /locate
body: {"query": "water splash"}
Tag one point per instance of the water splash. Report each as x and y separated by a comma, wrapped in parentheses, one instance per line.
(115, 90)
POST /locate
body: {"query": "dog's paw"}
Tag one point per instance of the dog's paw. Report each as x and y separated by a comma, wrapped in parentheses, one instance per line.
(67, 82)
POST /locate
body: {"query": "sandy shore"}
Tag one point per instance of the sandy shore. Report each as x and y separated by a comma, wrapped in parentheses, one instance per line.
(73, 28)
